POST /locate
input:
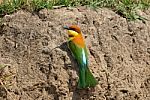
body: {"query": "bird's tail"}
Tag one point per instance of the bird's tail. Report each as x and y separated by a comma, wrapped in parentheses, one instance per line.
(86, 79)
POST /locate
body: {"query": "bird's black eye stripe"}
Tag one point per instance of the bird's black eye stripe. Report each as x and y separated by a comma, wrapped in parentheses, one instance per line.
(73, 29)
(71, 36)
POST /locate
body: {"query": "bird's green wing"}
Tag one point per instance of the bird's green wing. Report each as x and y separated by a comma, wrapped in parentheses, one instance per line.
(86, 79)
(79, 53)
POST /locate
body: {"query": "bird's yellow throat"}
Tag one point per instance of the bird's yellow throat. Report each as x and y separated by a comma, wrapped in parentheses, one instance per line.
(72, 33)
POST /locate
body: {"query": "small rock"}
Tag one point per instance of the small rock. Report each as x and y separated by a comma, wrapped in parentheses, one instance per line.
(148, 50)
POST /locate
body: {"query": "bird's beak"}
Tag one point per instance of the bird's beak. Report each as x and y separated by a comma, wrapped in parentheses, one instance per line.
(66, 27)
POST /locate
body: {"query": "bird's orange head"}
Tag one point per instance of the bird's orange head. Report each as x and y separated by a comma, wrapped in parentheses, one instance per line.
(75, 35)
(73, 30)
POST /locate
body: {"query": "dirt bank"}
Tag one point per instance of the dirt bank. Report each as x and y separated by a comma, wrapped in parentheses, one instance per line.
(33, 46)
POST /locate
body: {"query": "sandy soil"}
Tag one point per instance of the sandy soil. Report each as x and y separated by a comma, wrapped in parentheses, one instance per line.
(33, 46)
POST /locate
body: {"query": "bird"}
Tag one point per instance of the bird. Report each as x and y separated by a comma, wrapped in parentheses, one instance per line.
(77, 46)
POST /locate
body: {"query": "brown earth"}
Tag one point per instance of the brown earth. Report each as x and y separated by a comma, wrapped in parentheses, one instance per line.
(1, 1)
(33, 48)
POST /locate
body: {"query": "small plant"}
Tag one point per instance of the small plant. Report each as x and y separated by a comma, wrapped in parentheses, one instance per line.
(125, 8)
(37, 5)
(103, 3)
(128, 9)
(9, 6)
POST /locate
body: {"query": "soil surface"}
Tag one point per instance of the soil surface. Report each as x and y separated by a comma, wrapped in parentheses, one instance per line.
(40, 66)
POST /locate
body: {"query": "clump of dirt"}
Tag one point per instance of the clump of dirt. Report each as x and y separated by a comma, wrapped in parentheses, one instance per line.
(34, 47)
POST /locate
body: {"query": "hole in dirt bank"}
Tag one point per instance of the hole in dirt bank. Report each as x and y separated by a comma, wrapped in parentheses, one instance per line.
(112, 99)
(55, 77)
(43, 68)
(1, 28)
(108, 60)
(124, 91)
(51, 89)
(3, 92)
(131, 56)
(16, 92)
(120, 58)
(96, 23)
(136, 97)
(133, 40)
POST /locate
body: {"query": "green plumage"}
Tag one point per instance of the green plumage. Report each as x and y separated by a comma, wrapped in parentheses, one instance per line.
(86, 79)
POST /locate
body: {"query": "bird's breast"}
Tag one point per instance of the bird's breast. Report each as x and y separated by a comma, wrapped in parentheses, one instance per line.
(79, 41)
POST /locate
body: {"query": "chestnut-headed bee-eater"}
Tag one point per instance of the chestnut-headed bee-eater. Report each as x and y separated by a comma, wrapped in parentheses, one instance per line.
(78, 48)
